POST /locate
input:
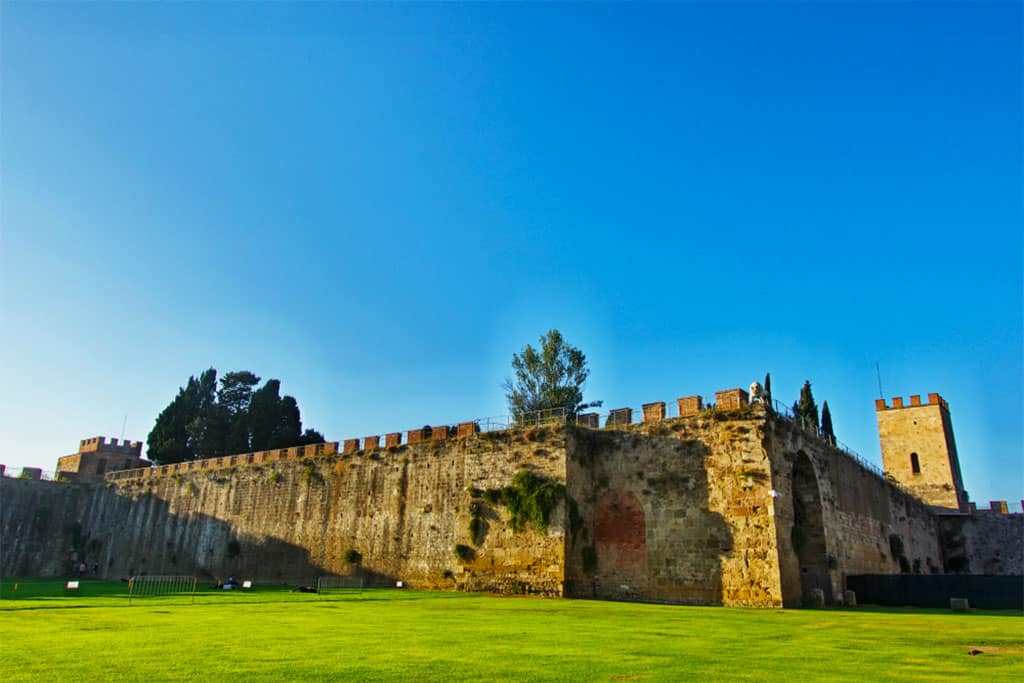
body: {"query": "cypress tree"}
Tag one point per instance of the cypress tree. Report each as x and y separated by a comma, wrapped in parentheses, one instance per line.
(806, 410)
(826, 424)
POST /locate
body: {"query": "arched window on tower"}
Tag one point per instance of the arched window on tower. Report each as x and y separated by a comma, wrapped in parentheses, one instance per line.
(915, 464)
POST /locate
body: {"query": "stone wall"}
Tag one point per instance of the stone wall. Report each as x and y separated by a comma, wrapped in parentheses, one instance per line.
(676, 510)
(862, 525)
(984, 543)
(41, 527)
(723, 508)
(403, 510)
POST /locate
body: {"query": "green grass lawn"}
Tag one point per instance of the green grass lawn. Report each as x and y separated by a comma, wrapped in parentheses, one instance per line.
(272, 634)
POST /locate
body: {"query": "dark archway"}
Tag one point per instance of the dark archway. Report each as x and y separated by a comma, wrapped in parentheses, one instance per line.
(808, 534)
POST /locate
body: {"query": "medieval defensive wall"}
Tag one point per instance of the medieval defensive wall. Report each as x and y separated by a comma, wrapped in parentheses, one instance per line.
(733, 505)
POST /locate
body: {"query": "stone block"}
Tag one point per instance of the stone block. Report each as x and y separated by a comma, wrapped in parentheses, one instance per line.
(880, 404)
(591, 420)
(393, 439)
(999, 506)
(439, 433)
(654, 411)
(959, 604)
(915, 399)
(416, 436)
(467, 429)
(897, 402)
(731, 399)
(816, 598)
(351, 446)
(850, 598)
(690, 405)
(620, 416)
(371, 443)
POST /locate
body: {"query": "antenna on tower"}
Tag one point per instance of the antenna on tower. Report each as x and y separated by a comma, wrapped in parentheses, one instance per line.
(878, 374)
(123, 425)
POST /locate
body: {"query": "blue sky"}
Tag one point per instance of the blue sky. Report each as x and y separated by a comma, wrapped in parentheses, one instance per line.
(379, 204)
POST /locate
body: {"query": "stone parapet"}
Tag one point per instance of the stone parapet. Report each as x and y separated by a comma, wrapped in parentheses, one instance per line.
(654, 411)
(690, 405)
(620, 416)
(731, 399)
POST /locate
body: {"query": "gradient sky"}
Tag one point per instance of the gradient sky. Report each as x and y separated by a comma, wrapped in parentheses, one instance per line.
(379, 204)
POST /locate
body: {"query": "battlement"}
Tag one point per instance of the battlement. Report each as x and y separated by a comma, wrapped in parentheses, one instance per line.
(227, 461)
(99, 443)
(915, 402)
(690, 406)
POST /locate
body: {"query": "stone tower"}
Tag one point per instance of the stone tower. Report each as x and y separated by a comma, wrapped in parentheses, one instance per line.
(918, 450)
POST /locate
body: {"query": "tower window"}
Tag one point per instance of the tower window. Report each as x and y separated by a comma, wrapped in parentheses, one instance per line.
(915, 464)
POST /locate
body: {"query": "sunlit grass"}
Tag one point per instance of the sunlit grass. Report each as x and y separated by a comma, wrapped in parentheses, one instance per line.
(273, 634)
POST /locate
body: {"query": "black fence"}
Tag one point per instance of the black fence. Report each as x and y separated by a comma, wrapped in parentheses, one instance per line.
(935, 590)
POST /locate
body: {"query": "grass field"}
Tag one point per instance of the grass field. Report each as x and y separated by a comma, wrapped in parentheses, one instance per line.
(272, 634)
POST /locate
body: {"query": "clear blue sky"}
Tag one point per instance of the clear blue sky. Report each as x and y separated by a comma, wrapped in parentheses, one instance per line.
(379, 204)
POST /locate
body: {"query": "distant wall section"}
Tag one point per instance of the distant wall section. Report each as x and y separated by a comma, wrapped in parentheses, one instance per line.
(984, 542)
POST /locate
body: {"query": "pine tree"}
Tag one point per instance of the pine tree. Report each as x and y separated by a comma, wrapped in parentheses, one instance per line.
(768, 389)
(826, 424)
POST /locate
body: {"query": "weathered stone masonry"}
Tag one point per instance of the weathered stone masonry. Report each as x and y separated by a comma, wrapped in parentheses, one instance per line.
(734, 508)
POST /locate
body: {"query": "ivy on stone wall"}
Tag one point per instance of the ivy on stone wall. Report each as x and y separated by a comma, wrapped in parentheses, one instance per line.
(531, 498)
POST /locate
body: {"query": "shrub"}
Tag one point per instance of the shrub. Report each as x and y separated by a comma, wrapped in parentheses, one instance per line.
(531, 498)
(447, 574)
(352, 556)
(274, 476)
(464, 552)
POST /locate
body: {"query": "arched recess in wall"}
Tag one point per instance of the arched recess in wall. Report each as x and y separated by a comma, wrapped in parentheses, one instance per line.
(808, 533)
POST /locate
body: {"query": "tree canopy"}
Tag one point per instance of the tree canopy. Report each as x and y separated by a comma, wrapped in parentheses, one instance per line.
(548, 378)
(204, 421)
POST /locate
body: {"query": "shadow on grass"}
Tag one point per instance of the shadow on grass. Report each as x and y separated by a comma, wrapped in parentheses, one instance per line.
(935, 611)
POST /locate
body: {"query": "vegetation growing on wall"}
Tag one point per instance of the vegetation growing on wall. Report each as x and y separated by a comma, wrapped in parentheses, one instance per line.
(896, 548)
(531, 498)
(477, 525)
